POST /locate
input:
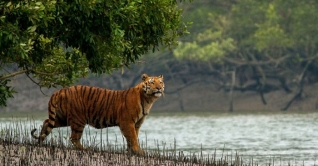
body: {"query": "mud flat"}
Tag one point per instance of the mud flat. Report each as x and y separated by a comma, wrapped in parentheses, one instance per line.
(31, 155)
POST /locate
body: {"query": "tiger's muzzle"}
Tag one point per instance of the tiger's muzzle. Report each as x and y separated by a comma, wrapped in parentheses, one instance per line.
(158, 93)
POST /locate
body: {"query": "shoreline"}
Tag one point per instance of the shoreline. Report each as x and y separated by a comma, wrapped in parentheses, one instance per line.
(32, 155)
(19, 154)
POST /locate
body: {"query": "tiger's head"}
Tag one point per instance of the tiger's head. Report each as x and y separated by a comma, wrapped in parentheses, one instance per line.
(153, 86)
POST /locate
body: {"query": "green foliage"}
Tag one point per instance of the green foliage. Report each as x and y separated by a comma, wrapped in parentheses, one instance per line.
(210, 44)
(115, 34)
(269, 33)
(267, 29)
(214, 49)
(60, 69)
(59, 41)
(5, 92)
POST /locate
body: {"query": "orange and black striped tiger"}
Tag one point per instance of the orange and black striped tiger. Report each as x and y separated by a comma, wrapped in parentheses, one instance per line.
(77, 106)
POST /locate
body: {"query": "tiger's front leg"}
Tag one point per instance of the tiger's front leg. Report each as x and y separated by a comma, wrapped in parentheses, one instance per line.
(128, 130)
(138, 125)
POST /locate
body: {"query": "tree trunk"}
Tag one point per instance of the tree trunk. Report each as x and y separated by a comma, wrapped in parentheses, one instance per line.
(301, 85)
(231, 91)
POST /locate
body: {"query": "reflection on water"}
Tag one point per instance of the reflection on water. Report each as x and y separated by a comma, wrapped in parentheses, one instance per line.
(288, 137)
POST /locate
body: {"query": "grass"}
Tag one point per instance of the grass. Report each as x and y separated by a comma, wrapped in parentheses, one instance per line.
(18, 148)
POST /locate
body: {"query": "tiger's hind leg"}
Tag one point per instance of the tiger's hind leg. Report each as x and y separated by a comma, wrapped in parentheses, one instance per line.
(48, 124)
(45, 131)
(76, 135)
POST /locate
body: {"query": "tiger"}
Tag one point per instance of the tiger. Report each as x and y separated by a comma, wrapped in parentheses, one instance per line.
(79, 105)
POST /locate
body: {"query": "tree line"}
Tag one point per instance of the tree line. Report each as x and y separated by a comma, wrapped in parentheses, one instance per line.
(259, 46)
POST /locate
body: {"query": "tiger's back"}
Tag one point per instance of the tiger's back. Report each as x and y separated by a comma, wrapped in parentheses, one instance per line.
(77, 106)
(95, 106)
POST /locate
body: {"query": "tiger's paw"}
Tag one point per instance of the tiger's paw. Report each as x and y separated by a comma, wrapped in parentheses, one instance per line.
(138, 152)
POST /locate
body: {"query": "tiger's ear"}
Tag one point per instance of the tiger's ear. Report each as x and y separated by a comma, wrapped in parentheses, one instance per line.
(144, 77)
(161, 76)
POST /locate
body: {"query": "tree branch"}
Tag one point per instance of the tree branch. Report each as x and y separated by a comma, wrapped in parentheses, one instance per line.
(38, 84)
(24, 71)
(13, 74)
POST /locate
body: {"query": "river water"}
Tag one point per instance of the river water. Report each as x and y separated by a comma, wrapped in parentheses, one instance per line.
(264, 137)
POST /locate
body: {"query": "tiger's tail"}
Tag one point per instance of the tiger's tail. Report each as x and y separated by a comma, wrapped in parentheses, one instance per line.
(32, 134)
(48, 124)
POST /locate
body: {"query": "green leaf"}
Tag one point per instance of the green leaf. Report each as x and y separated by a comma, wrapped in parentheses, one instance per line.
(32, 28)
(9, 4)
